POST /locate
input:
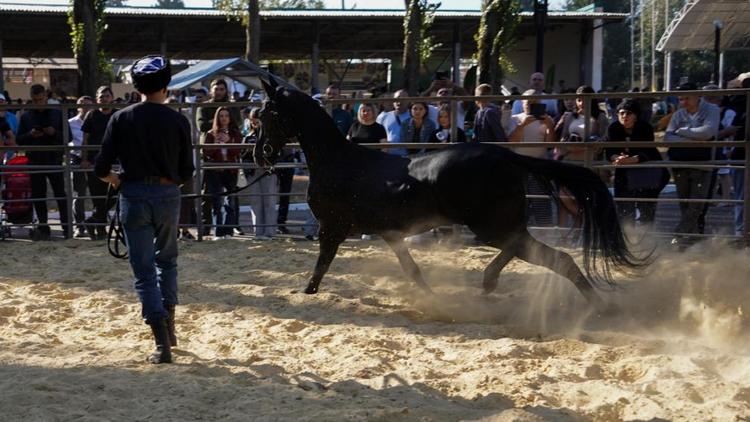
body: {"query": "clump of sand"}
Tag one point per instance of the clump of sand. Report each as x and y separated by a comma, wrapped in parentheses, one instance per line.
(370, 345)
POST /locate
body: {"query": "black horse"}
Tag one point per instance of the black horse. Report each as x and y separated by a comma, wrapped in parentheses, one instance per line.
(355, 189)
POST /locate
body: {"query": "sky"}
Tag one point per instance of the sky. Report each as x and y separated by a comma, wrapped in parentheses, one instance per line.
(330, 4)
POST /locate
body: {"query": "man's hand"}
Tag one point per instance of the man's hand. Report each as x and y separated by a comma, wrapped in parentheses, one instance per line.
(113, 179)
(36, 133)
(624, 159)
(49, 131)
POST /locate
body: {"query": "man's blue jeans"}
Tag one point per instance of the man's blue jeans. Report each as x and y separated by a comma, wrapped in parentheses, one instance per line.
(149, 215)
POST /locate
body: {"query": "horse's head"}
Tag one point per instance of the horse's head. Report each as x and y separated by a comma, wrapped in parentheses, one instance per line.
(277, 127)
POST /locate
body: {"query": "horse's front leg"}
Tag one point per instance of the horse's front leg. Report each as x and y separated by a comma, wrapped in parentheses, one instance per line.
(407, 262)
(329, 245)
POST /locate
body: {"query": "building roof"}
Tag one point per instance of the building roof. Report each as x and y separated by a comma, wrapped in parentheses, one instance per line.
(42, 31)
(693, 27)
(293, 13)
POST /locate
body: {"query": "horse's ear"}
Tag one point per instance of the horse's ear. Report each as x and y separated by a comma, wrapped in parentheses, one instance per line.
(270, 89)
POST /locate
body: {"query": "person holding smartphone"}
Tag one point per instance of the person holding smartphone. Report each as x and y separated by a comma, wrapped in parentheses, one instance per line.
(44, 127)
(534, 125)
(224, 131)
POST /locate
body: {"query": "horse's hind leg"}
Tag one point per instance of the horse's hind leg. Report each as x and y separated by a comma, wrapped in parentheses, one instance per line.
(536, 252)
(407, 262)
(329, 245)
(492, 272)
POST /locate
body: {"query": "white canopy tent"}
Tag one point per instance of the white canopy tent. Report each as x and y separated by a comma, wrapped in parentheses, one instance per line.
(694, 28)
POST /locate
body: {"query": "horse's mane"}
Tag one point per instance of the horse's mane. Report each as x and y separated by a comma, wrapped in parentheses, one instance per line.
(310, 112)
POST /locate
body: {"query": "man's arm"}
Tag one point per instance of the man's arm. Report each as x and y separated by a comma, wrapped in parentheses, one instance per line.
(186, 166)
(670, 134)
(107, 156)
(24, 130)
(707, 131)
(494, 124)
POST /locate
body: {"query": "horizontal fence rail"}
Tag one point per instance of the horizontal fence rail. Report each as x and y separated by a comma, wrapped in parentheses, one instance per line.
(68, 150)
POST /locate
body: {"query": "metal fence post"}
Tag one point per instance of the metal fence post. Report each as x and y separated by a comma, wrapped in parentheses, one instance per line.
(746, 205)
(198, 179)
(589, 151)
(454, 121)
(67, 174)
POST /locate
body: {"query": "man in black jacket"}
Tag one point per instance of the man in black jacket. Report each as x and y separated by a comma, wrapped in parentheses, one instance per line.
(152, 143)
(44, 127)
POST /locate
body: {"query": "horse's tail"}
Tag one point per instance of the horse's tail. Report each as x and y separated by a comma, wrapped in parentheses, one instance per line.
(605, 247)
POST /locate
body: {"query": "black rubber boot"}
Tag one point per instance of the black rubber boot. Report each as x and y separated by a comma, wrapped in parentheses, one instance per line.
(163, 353)
(170, 325)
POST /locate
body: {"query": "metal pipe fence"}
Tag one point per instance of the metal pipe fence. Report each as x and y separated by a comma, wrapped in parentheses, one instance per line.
(589, 161)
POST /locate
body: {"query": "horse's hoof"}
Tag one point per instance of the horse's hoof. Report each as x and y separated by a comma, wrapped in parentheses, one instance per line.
(311, 290)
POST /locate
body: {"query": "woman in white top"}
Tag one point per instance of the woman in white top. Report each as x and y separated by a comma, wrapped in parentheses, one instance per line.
(534, 125)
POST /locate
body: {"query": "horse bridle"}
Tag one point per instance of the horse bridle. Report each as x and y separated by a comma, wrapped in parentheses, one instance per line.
(281, 125)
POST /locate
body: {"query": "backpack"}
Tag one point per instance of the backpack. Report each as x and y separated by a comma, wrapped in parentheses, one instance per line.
(18, 188)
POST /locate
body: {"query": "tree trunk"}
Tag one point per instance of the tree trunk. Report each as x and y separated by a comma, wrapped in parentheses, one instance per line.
(412, 40)
(489, 68)
(87, 58)
(252, 32)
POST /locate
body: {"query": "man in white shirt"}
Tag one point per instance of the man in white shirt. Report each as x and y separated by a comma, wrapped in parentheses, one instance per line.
(79, 177)
(536, 82)
(392, 121)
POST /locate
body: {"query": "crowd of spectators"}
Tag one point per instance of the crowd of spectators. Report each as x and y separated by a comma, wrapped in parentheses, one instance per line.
(683, 117)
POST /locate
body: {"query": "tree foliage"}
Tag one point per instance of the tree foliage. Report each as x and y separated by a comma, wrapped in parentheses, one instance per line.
(418, 44)
(495, 37)
(87, 26)
(170, 4)
(237, 9)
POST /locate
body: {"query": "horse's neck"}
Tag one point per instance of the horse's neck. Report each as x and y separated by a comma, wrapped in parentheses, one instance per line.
(322, 142)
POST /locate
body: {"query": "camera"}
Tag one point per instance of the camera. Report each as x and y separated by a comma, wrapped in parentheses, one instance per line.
(538, 110)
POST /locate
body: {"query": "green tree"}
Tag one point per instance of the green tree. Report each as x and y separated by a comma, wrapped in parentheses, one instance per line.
(418, 45)
(495, 37)
(86, 21)
(248, 13)
(170, 4)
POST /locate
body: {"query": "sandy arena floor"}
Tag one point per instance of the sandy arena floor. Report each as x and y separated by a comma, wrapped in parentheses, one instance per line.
(370, 346)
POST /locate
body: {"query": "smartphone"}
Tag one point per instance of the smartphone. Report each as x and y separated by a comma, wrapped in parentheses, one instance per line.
(538, 110)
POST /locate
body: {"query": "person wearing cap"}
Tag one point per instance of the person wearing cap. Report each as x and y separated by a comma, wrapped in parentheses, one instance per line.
(152, 143)
(695, 120)
(634, 182)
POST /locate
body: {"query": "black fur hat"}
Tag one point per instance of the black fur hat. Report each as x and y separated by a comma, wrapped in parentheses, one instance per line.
(151, 73)
(631, 105)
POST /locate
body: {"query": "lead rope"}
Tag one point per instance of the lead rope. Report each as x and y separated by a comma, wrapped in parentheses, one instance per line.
(116, 232)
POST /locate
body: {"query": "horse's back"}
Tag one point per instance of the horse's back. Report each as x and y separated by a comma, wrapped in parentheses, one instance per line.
(474, 183)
